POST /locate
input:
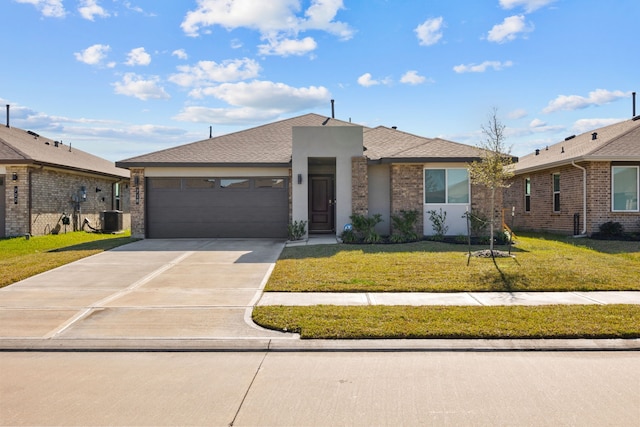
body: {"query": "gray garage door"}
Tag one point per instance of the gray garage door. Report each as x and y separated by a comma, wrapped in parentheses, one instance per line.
(217, 207)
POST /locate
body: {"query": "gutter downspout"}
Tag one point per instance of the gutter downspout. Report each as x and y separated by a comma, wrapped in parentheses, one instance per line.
(584, 197)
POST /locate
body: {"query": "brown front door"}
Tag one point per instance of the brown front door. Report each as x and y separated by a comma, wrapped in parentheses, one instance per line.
(321, 204)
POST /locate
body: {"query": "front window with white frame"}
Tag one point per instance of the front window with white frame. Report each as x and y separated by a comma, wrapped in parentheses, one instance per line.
(446, 186)
(625, 187)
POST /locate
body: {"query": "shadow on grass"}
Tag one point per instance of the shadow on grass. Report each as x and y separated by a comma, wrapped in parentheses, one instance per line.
(503, 281)
(327, 251)
(104, 244)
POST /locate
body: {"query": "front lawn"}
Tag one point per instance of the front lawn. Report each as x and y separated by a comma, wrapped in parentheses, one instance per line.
(358, 322)
(541, 263)
(21, 258)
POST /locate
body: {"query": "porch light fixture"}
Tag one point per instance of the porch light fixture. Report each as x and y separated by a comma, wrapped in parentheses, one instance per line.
(98, 189)
(299, 178)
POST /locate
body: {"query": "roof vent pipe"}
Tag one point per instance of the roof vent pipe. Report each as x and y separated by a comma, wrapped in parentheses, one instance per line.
(333, 111)
(210, 132)
(633, 97)
(8, 106)
(537, 151)
(594, 136)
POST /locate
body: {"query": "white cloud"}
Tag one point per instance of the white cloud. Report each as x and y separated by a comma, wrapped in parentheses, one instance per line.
(274, 20)
(225, 116)
(180, 53)
(254, 101)
(585, 125)
(269, 95)
(320, 16)
(287, 47)
(481, 68)
(577, 102)
(536, 123)
(138, 56)
(89, 9)
(138, 87)
(430, 31)
(528, 5)
(412, 77)
(517, 114)
(209, 72)
(93, 55)
(367, 80)
(509, 29)
(48, 8)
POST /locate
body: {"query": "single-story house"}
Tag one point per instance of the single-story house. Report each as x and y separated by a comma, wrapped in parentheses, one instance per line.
(578, 184)
(254, 182)
(49, 187)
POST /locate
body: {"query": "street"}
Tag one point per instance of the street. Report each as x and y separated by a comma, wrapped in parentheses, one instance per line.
(320, 388)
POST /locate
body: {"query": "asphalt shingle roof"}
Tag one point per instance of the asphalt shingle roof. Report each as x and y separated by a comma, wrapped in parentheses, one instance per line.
(18, 146)
(616, 142)
(272, 144)
(385, 143)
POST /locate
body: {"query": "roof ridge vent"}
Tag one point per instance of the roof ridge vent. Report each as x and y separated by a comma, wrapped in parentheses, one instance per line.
(569, 137)
(30, 132)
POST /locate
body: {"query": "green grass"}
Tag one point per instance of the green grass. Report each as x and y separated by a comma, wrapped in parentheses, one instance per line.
(359, 322)
(21, 258)
(541, 263)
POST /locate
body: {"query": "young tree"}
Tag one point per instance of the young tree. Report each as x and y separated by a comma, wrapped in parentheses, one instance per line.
(493, 171)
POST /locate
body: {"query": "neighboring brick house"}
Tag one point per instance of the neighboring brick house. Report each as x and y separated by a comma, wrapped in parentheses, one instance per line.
(311, 168)
(580, 183)
(44, 184)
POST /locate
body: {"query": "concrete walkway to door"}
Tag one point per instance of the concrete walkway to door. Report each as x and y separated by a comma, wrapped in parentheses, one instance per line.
(155, 294)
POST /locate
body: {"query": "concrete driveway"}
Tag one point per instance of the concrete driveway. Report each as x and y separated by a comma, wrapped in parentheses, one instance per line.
(146, 294)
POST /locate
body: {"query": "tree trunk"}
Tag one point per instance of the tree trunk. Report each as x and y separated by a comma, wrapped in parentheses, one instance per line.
(493, 218)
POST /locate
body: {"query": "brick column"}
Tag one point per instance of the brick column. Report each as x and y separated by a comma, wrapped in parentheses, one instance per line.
(137, 202)
(359, 186)
(17, 201)
(407, 191)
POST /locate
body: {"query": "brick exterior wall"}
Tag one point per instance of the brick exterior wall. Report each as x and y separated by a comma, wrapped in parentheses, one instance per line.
(137, 202)
(44, 195)
(407, 191)
(542, 218)
(359, 186)
(481, 203)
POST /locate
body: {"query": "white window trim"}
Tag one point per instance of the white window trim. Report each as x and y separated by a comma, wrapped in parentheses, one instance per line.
(446, 187)
(637, 168)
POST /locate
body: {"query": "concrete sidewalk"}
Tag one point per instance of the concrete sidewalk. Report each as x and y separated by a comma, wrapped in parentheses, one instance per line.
(457, 298)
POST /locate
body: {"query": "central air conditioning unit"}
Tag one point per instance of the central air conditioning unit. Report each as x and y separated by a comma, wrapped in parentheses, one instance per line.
(111, 221)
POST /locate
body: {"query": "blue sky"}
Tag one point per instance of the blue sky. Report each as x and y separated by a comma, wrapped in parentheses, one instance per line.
(119, 78)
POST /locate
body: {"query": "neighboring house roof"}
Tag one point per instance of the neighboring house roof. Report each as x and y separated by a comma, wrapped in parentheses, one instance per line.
(18, 146)
(271, 145)
(616, 142)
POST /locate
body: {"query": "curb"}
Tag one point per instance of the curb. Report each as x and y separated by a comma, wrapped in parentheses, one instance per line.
(297, 345)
